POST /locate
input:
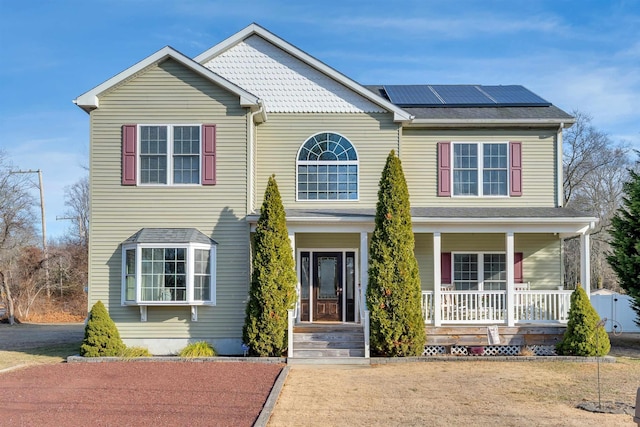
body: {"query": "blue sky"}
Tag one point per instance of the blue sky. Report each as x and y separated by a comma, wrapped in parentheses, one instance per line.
(576, 54)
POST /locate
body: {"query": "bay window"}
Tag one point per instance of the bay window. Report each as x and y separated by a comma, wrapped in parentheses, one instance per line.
(165, 273)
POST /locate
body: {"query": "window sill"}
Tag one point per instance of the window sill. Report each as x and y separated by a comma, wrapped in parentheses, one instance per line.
(473, 196)
(143, 307)
(167, 303)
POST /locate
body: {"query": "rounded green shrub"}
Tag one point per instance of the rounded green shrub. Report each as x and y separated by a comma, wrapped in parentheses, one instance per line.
(583, 336)
(198, 349)
(101, 337)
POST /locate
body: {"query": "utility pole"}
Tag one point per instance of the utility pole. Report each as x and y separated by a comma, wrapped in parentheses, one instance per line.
(45, 253)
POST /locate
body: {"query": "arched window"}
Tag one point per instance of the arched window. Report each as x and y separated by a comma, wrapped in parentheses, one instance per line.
(327, 168)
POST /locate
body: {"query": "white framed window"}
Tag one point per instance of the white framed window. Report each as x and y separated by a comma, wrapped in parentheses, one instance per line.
(327, 168)
(168, 274)
(169, 154)
(479, 271)
(480, 169)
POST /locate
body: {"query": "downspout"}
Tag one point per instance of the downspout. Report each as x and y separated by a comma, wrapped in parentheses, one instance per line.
(560, 196)
(560, 186)
(250, 154)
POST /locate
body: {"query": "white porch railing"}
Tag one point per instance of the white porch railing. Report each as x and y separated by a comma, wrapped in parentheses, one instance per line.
(291, 319)
(365, 319)
(473, 307)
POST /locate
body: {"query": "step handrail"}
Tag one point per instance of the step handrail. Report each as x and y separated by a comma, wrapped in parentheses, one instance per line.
(365, 319)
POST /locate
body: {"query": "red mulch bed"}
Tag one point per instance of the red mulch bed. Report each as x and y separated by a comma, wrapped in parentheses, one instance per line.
(136, 394)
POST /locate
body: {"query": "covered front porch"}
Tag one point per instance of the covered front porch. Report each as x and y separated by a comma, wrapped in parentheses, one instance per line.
(478, 266)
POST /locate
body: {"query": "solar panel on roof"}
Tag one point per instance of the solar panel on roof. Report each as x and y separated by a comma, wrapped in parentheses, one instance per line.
(407, 95)
(462, 96)
(514, 95)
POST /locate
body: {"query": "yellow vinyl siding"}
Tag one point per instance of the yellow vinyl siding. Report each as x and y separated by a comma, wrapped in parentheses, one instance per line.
(541, 254)
(542, 263)
(424, 256)
(170, 94)
(420, 164)
(327, 240)
(279, 139)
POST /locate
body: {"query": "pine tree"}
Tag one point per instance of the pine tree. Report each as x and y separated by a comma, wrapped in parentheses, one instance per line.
(393, 292)
(583, 336)
(625, 233)
(101, 336)
(273, 279)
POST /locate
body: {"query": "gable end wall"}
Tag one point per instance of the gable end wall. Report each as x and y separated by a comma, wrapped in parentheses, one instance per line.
(170, 94)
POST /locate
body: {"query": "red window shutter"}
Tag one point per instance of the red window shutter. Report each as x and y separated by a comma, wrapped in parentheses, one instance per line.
(518, 276)
(208, 154)
(444, 169)
(445, 267)
(129, 154)
(515, 166)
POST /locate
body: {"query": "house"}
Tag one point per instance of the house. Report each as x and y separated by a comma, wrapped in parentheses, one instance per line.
(182, 148)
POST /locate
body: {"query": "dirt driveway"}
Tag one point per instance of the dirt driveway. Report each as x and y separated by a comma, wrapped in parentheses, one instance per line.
(136, 394)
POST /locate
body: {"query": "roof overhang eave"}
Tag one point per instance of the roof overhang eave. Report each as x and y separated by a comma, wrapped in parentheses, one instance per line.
(509, 220)
(89, 101)
(439, 123)
(575, 222)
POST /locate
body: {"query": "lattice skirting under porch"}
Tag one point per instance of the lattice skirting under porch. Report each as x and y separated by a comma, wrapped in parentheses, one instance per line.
(489, 350)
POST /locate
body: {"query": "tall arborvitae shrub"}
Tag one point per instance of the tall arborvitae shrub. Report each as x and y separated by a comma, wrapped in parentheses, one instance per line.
(101, 337)
(625, 242)
(273, 279)
(583, 336)
(393, 293)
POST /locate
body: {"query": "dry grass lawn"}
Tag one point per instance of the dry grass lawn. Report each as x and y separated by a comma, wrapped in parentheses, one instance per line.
(57, 353)
(452, 393)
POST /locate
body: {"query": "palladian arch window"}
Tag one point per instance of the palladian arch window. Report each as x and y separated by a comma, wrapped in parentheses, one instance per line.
(327, 168)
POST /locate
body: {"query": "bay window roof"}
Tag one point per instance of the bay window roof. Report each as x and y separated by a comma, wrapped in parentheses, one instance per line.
(169, 236)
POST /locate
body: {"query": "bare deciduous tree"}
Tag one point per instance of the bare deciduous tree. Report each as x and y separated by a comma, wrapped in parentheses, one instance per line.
(16, 226)
(594, 169)
(76, 198)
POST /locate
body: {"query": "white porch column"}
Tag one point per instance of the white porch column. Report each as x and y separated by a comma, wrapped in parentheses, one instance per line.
(292, 240)
(437, 279)
(585, 263)
(510, 301)
(364, 270)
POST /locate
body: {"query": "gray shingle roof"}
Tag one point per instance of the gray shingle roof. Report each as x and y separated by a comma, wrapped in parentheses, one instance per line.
(482, 113)
(489, 113)
(447, 212)
(169, 235)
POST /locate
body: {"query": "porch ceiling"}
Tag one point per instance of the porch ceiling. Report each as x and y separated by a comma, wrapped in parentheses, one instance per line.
(564, 221)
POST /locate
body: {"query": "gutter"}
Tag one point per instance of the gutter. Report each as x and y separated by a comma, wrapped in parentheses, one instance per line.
(590, 221)
(440, 123)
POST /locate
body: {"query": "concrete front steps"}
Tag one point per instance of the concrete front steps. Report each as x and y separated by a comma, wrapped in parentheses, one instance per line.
(328, 343)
